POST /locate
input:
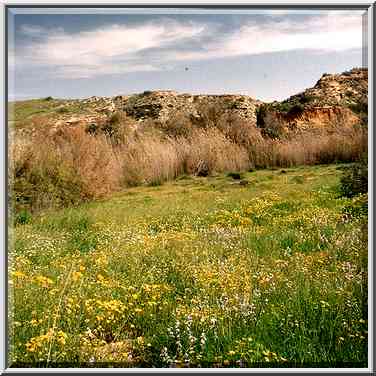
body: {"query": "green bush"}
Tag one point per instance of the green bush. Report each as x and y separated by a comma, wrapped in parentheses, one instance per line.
(358, 207)
(52, 184)
(355, 179)
(23, 217)
(305, 98)
(359, 107)
(62, 110)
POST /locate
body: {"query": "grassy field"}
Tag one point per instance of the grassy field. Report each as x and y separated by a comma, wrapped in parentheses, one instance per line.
(204, 272)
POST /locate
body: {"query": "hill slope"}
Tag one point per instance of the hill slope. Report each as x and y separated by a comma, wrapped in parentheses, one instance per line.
(335, 99)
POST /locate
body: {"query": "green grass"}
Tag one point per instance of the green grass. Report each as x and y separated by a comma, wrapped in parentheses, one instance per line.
(36, 113)
(198, 271)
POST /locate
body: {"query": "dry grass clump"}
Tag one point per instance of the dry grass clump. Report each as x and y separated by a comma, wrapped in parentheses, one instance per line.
(151, 159)
(147, 159)
(77, 163)
(69, 167)
(93, 158)
(210, 150)
(320, 149)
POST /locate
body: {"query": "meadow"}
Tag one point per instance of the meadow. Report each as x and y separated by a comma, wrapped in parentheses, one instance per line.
(266, 271)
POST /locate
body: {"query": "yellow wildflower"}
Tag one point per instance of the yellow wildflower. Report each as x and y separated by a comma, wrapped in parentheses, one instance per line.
(18, 274)
(76, 276)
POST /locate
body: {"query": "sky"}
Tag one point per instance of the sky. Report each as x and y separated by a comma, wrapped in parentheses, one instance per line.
(268, 55)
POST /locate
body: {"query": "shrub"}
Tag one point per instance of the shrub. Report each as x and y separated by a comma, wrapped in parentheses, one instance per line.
(210, 114)
(260, 115)
(62, 110)
(268, 120)
(306, 98)
(358, 207)
(234, 175)
(296, 109)
(210, 151)
(92, 128)
(45, 183)
(111, 126)
(116, 127)
(78, 164)
(179, 124)
(359, 107)
(355, 179)
(239, 130)
(71, 167)
(22, 217)
(148, 159)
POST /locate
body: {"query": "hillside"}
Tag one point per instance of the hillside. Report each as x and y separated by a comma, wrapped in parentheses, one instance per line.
(336, 98)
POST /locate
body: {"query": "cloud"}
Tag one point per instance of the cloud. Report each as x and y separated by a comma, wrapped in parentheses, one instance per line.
(32, 30)
(107, 50)
(152, 46)
(321, 33)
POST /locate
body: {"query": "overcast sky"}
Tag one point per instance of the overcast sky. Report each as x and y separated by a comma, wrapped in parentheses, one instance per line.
(265, 54)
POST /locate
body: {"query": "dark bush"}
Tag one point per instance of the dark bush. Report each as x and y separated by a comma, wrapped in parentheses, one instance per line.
(92, 128)
(358, 207)
(296, 109)
(62, 110)
(234, 175)
(284, 107)
(202, 169)
(355, 179)
(360, 107)
(260, 115)
(271, 132)
(115, 127)
(23, 217)
(305, 98)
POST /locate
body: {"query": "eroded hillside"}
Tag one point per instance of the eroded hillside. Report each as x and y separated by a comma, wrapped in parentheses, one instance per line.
(335, 100)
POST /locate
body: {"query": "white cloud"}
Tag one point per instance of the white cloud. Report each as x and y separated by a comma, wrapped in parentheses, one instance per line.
(89, 71)
(331, 33)
(320, 33)
(32, 30)
(120, 49)
(111, 49)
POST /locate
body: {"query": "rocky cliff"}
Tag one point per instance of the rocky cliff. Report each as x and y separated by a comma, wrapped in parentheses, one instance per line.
(337, 100)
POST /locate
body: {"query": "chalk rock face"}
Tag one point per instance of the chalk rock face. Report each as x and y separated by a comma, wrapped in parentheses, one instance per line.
(337, 100)
(314, 118)
(161, 105)
(341, 89)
